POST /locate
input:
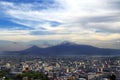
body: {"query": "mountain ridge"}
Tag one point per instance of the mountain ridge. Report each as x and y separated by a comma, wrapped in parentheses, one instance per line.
(67, 48)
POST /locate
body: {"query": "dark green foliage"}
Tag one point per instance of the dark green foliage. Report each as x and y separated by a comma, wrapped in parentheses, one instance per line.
(31, 75)
(4, 73)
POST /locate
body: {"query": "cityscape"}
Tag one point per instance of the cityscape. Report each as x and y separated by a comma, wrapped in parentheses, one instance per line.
(60, 68)
(59, 39)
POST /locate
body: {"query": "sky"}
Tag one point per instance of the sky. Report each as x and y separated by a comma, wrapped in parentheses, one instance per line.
(94, 22)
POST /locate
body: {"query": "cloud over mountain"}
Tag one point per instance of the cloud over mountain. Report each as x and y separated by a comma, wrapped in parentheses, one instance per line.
(73, 20)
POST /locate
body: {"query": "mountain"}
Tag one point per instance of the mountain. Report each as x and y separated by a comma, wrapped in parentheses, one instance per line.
(67, 48)
(17, 46)
(32, 50)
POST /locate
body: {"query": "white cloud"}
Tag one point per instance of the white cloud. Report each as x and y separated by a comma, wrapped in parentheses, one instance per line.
(73, 18)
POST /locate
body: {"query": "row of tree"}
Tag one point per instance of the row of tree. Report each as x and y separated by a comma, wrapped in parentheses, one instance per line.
(30, 75)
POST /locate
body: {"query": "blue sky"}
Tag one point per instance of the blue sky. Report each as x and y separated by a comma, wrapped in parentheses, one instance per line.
(86, 22)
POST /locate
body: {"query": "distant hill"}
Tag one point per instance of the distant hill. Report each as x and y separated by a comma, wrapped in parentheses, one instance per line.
(67, 48)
